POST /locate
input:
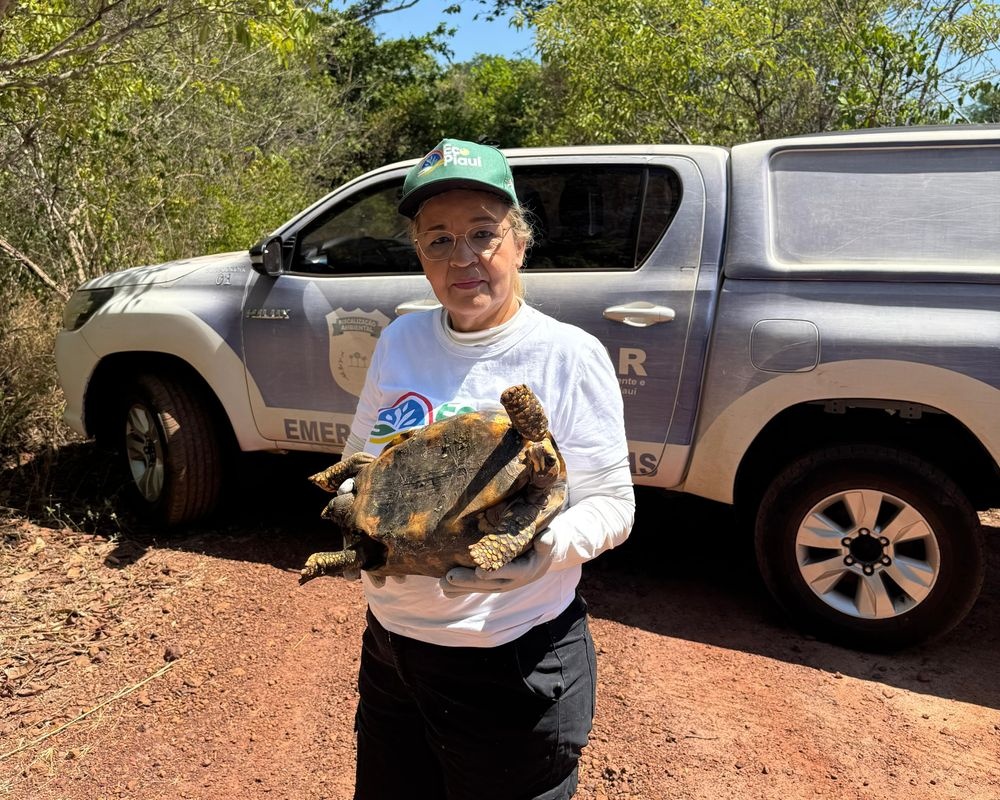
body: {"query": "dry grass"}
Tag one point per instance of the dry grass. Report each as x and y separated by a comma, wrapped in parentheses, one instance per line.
(58, 601)
(30, 399)
(69, 602)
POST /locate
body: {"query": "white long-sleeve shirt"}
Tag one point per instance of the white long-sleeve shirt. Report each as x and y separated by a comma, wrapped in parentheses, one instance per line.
(421, 372)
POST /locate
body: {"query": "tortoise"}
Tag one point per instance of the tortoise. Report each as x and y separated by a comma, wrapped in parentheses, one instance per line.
(472, 490)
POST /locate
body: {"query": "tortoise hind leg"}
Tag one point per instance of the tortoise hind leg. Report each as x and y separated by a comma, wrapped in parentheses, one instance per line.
(525, 412)
(512, 535)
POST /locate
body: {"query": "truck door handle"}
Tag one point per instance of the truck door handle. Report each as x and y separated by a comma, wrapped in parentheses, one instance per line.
(416, 305)
(640, 314)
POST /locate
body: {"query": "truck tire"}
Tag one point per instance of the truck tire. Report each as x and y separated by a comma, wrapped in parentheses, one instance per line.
(870, 547)
(171, 449)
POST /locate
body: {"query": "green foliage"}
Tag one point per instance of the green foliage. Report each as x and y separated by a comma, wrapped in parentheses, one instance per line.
(732, 70)
(119, 118)
(985, 106)
(409, 99)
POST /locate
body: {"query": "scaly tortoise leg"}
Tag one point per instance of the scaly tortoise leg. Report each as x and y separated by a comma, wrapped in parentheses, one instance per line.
(512, 535)
(331, 478)
(326, 563)
(525, 412)
(513, 527)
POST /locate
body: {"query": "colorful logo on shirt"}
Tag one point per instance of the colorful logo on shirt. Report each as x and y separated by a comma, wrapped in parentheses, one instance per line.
(409, 411)
(446, 410)
(413, 410)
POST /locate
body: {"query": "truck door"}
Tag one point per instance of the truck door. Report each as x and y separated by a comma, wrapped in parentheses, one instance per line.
(309, 334)
(619, 253)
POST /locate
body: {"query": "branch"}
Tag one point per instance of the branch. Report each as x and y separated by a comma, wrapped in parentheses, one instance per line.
(16, 254)
(368, 16)
(937, 56)
(63, 48)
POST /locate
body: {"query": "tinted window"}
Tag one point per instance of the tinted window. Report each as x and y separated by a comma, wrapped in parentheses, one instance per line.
(363, 235)
(878, 205)
(584, 217)
(596, 217)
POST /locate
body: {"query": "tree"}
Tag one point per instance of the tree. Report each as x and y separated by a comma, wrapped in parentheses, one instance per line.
(732, 70)
(985, 107)
(116, 115)
(410, 99)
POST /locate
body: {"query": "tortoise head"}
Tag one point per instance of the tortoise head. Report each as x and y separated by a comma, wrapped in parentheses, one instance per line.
(525, 412)
(338, 510)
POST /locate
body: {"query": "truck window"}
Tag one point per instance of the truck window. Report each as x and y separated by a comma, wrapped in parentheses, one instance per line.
(585, 217)
(596, 216)
(363, 235)
(885, 206)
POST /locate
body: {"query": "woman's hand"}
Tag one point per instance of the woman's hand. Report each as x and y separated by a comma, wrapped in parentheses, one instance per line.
(519, 572)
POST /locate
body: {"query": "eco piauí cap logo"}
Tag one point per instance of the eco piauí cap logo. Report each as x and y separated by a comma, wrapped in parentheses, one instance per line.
(433, 160)
(455, 164)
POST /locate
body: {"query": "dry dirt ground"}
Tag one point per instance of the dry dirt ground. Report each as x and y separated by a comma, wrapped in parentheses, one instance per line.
(193, 665)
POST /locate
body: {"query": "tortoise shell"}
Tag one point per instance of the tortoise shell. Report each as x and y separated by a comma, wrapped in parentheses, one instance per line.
(471, 490)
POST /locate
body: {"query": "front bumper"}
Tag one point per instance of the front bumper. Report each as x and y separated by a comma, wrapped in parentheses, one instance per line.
(75, 364)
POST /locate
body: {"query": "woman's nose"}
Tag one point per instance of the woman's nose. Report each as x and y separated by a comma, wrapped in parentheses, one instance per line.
(463, 254)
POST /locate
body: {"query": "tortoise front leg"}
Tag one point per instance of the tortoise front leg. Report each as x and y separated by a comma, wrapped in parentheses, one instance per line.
(325, 563)
(331, 478)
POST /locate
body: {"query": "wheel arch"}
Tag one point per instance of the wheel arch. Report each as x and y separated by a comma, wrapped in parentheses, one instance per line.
(927, 432)
(116, 370)
(860, 400)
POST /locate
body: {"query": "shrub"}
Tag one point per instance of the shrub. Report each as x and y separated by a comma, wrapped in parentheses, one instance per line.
(31, 401)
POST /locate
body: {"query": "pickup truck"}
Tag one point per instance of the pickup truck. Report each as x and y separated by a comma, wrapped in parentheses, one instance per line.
(805, 328)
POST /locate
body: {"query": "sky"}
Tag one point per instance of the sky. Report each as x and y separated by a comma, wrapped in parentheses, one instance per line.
(473, 36)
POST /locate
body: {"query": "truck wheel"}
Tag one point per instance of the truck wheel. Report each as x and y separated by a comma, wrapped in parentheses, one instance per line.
(870, 547)
(171, 448)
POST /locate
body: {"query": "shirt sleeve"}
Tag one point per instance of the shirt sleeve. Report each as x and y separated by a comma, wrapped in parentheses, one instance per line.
(600, 515)
(601, 506)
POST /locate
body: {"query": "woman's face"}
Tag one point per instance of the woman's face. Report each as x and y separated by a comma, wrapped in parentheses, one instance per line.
(476, 282)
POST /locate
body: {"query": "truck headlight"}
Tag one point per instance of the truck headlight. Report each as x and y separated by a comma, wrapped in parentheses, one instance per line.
(82, 306)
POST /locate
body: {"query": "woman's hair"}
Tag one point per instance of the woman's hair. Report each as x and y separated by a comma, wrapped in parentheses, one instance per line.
(519, 226)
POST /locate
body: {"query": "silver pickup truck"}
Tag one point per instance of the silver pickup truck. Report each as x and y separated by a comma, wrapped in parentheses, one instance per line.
(806, 328)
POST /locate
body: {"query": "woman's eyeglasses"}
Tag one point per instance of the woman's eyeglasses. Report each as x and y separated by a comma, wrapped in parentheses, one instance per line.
(483, 240)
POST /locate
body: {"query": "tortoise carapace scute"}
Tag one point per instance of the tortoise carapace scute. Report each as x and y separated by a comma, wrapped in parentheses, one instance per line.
(472, 490)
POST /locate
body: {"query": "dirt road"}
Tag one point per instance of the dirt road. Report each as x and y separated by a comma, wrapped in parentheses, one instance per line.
(194, 666)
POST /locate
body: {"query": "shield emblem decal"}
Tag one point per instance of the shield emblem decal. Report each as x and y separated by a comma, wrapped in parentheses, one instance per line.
(352, 341)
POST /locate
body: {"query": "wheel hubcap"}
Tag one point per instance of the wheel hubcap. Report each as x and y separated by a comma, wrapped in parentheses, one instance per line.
(867, 554)
(144, 451)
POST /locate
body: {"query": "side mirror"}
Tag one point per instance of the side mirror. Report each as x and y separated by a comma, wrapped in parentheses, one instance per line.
(266, 257)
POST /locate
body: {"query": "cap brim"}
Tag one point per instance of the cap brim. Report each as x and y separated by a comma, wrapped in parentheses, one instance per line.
(410, 204)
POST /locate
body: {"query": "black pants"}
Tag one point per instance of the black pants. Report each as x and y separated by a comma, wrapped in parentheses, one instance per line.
(471, 723)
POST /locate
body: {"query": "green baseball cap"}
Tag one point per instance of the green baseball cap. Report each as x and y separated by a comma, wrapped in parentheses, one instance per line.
(455, 164)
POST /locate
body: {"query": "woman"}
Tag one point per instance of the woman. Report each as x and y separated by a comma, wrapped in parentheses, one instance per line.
(481, 685)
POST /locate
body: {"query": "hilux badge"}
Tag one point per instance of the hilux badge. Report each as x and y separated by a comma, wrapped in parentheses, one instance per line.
(268, 313)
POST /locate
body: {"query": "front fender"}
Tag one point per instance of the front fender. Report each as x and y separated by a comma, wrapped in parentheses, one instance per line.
(178, 332)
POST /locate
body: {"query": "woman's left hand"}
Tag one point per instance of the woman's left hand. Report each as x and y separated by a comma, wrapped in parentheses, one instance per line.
(522, 570)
